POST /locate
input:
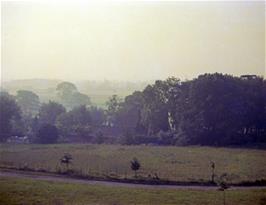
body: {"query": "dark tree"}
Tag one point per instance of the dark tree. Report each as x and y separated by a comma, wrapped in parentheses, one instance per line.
(76, 124)
(78, 99)
(9, 112)
(99, 137)
(212, 110)
(97, 116)
(65, 89)
(155, 112)
(28, 101)
(135, 165)
(48, 134)
(113, 107)
(49, 112)
(70, 97)
(129, 114)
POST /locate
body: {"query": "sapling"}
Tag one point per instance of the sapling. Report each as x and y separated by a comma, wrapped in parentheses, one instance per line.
(135, 165)
(66, 159)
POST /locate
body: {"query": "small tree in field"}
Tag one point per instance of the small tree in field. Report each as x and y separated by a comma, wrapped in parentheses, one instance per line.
(66, 159)
(135, 165)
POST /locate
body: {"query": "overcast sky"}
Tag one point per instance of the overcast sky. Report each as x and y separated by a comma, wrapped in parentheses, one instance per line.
(131, 41)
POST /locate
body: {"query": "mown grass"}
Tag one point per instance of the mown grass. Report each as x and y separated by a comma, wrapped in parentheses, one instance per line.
(172, 163)
(32, 192)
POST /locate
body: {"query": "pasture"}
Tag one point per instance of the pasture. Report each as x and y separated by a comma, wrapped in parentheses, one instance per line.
(15, 191)
(170, 163)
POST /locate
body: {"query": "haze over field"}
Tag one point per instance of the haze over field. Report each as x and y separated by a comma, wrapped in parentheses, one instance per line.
(131, 41)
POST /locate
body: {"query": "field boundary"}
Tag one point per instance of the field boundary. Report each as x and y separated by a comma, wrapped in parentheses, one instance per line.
(160, 182)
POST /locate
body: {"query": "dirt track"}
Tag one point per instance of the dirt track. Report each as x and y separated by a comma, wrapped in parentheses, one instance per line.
(64, 179)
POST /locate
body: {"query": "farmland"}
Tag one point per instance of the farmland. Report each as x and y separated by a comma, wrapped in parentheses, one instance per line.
(170, 163)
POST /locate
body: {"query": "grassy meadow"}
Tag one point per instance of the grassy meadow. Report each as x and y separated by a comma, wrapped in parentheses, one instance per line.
(171, 163)
(31, 192)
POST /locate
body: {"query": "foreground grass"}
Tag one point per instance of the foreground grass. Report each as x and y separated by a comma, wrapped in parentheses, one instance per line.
(32, 192)
(172, 163)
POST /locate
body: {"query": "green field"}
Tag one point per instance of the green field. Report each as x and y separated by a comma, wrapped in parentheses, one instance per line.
(32, 192)
(171, 163)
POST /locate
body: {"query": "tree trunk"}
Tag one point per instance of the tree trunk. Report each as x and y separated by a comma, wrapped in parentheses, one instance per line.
(212, 178)
(224, 197)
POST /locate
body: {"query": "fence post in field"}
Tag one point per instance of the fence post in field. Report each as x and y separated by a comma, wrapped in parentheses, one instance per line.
(213, 171)
(223, 186)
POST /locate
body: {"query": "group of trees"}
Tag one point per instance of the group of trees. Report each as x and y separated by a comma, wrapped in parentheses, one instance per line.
(69, 96)
(213, 109)
(24, 114)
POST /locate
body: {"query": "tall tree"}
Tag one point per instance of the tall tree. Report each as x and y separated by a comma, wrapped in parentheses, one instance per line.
(9, 111)
(49, 112)
(78, 99)
(113, 106)
(97, 116)
(28, 101)
(65, 89)
(211, 111)
(48, 134)
(70, 97)
(155, 111)
(129, 113)
(254, 100)
(76, 123)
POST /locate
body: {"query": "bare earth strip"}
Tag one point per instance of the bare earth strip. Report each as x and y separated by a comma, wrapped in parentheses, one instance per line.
(64, 179)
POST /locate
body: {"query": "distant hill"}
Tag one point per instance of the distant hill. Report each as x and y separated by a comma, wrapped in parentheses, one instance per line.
(98, 91)
(44, 88)
(31, 83)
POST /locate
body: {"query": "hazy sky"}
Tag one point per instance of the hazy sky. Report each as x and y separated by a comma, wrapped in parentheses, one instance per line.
(131, 41)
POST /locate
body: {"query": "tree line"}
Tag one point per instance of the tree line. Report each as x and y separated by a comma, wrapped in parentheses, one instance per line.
(212, 109)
